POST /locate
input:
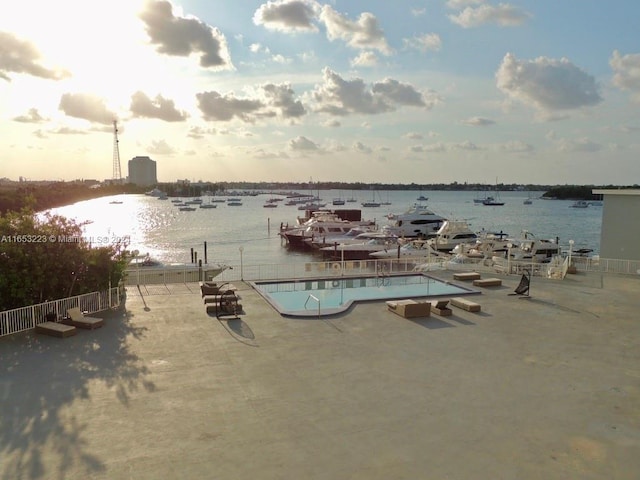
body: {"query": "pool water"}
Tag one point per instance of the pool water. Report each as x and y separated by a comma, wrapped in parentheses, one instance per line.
(301, 298)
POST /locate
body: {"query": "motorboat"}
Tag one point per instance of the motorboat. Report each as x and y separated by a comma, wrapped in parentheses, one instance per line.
(529, 248)
(320, 224)
(422, 198)
(580, 204)
(208, 205)
(187, 208)
(337, 201)
(492, 201)
(413, 249)
(371, 242)
(417, 221)
(451, 234)
(317, 242)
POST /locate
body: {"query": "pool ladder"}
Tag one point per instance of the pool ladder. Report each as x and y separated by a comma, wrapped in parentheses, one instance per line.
(310, 297)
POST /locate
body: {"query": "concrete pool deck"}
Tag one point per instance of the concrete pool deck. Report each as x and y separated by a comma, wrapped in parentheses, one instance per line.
(540, 388)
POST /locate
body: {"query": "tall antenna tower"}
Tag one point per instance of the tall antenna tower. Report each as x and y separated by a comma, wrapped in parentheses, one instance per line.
(117, 174)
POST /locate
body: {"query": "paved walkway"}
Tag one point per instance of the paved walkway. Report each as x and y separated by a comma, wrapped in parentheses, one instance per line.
(545, 388)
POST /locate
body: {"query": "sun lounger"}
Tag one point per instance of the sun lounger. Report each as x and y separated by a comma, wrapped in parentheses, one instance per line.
(212, 288)
(487, 282)
(55, 329)
(465, 304)
(409, 308)
(466, 276)
(439, 307)
(217, 297)
(77, 319)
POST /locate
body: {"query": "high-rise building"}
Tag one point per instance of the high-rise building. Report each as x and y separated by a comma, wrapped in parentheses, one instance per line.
(142, 171)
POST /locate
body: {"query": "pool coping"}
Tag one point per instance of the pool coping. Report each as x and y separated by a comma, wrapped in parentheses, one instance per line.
(328, 312)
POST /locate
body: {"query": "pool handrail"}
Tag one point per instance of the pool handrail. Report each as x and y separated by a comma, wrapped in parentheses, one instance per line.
(311, 296)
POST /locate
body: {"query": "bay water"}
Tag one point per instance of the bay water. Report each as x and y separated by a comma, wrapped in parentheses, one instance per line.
(158, 228)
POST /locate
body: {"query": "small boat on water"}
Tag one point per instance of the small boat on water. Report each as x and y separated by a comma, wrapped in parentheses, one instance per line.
(580, 204)
(417, 221)
(187, 208)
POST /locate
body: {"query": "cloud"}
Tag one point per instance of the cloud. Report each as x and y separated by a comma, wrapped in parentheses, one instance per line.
(581, 145)
(160, 107)
(19, 56)
(478, 122)
(547, 84)
(364, 33)
(516, 146)
(504, 15)
(68, 131)
(269, 100)
(224, 108)
(365, 59)
(86, 106)
(287, 15)
(413, 136)
(394, 91)
(32, 116)
(362, 148)
(183, 36)
(338, 96)
(303, 144)
(283, 98)
(437, 147)
(160, 147)
(425, 42)
(417, 12)
(626, 70)
(332, 123)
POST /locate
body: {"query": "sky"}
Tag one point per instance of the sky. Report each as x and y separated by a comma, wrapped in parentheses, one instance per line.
(432, 91)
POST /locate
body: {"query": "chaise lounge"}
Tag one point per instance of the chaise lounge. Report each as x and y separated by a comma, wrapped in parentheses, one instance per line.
(77, 319)
(409, 308)
(439, 307)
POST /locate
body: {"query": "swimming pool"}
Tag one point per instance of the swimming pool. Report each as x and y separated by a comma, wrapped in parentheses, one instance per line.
(301, 298)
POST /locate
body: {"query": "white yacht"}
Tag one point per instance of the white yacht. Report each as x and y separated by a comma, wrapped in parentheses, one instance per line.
(451, 234)
(417, 221)
(414, 249)
(320, 224)
(371, 242)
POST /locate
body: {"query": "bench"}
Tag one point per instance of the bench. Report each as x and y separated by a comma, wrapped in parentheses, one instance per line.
(465, 304)
(487, 282)
(409, 308)
(56, 329)
(466, 276)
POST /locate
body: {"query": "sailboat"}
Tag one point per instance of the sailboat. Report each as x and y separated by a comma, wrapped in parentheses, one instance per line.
(493, 201)
(372, 203)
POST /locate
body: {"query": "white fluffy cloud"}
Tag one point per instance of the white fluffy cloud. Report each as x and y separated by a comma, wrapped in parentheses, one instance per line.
(425, 42)
(303, 144)
(626, 69)
(184, 36)
(159, 107)
(504, 15)
(547, 84)
(338, 96)
(287, 15)
(478, 122)
(86, 106)
(363, 33)
(19, 56)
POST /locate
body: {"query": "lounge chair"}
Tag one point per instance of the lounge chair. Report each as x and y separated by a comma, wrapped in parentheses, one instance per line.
(439, 307)
(226, 303)
(409, 308)
(77, 319)
(487, 282)
(55, 329)
(466, 276)
(465, 304)
(212, 288)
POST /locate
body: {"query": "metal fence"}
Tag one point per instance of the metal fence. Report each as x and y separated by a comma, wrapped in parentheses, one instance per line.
(25, 318)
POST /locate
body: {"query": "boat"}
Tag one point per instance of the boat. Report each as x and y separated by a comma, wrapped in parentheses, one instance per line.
(417, 221)
(527, 201)
(320, 224)
(234, 203)
(492, 201)
(312, 206)
(187, 208)
(115, 202)
(451, 234)
(413, 249)
(371, 242)
(372, 203)
(529, 248)
(337, 201)
(580, 204)
(328, 239)
(422, 198)
(270, 205)
(208, 205)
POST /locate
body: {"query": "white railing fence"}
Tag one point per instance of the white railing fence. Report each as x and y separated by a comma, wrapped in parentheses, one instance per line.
(25, 318)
